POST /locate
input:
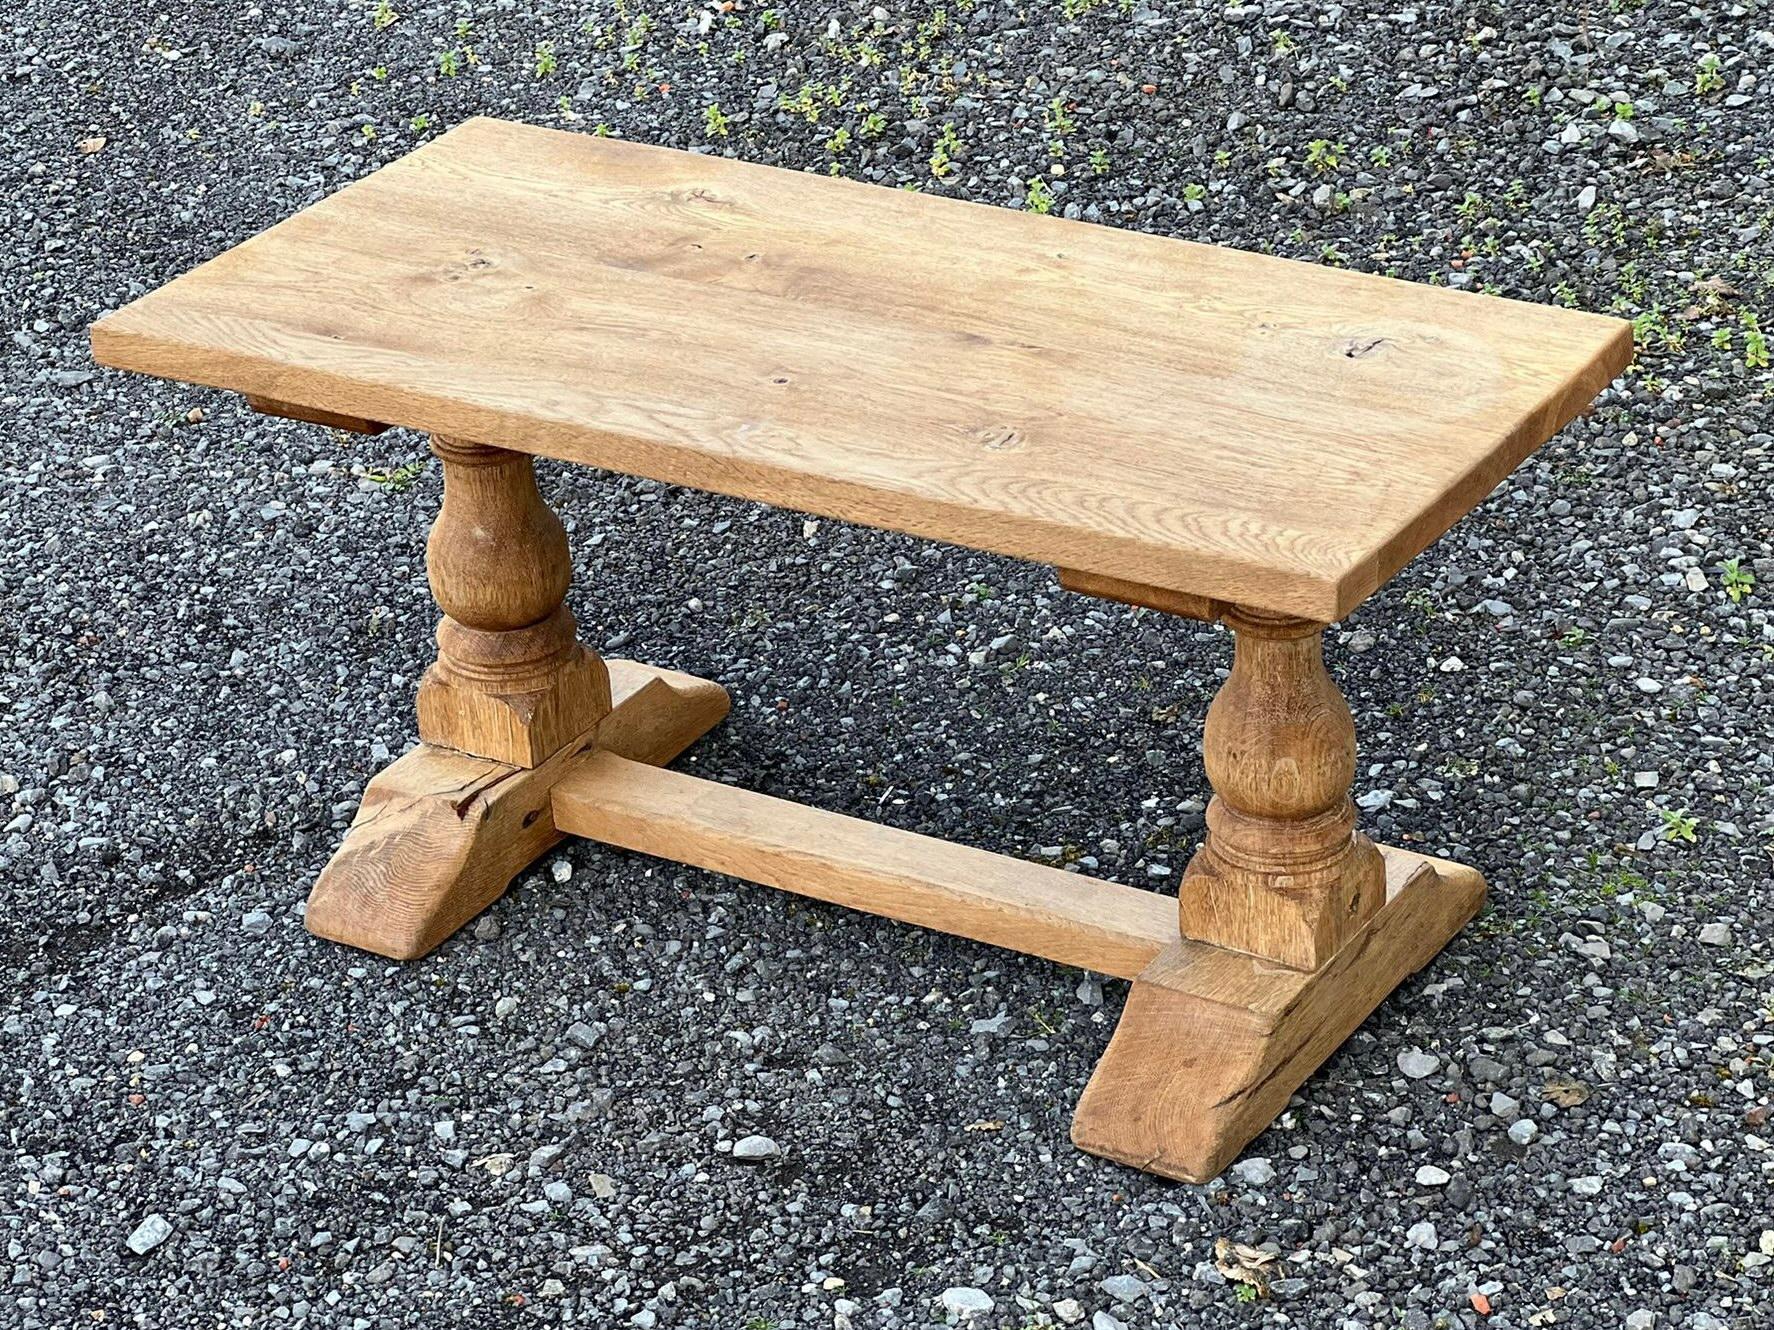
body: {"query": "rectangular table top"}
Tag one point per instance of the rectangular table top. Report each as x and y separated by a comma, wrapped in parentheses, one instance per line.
(1197, 419)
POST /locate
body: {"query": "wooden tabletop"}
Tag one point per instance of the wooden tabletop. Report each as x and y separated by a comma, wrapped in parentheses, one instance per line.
(1193, 418)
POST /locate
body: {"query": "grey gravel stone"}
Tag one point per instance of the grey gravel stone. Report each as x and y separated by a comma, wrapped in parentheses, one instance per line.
(212, 623)
(964, 1303)
(1124, 1288)
(1254, 1171)
(148, 1234)
(1417, 1064)
(754, 1148)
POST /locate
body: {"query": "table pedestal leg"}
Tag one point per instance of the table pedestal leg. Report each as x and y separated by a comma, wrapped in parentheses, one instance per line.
(1293, 925)
(513, 703)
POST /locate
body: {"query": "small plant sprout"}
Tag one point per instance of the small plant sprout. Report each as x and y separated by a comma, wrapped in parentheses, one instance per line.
(1708, 76)
(874, 124)
(715, 121)
(396, 479)
(1099, 161)
(1322, 155)
(1039, 197)
(383, 16)
(1194, 192)
(1755, 341)
(942, 156)
(1678, 826)
(1737, 580)
(545, 59)
(449, 63)
(1059, 120)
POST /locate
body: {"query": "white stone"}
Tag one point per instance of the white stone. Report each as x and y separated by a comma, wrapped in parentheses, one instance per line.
(1417, 1064)
(1254, 1172)
(1422, 1235)
(753, 1148)
(1432, 1176)
(966, 1303)
(1716, 935)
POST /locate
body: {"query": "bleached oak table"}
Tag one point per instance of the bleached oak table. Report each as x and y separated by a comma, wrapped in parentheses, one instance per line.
(1211, 433)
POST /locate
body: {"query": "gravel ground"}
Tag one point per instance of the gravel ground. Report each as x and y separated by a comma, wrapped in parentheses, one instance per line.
(211, 625)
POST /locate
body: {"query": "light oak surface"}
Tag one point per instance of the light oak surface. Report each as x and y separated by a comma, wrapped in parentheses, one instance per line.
(511, 681)
(1213, 1040)
(1282, 871)
(1212, 1043)
(917, 879)
(440, 834)
(1172, 415)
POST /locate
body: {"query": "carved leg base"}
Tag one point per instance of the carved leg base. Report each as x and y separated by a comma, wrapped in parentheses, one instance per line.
(520, 729)
(1213, 1041)
(440, 834)
(1300, 918)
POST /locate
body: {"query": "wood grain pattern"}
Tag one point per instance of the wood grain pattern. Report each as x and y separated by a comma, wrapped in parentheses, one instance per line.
(266, 406)
(439, 834)
(1212, 1043)
(1179, 603)
(917, 879)
(1282, 872)
(1175, 415)
(512, 681)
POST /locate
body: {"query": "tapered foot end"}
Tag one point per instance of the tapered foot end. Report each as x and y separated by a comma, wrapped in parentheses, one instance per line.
(1213, 1042)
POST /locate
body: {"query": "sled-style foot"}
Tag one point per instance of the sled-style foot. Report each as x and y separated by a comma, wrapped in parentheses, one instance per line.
(440, 834)
(1213, 1041)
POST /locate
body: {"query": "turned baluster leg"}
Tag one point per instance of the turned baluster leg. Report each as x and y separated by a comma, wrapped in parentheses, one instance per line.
(512, 704)
(1310, 924)
(512, 681)
(1283, 872)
